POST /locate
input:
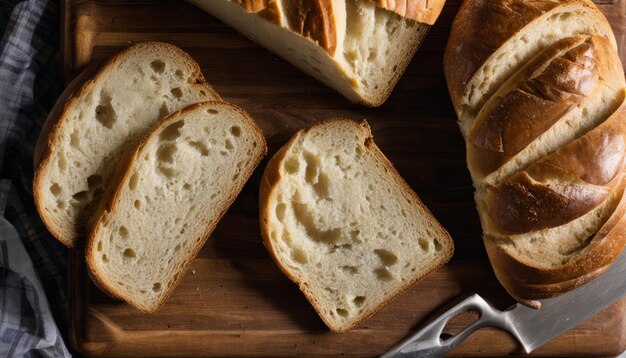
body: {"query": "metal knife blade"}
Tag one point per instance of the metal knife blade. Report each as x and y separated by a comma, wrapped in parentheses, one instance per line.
(560, 314)
(531, 327)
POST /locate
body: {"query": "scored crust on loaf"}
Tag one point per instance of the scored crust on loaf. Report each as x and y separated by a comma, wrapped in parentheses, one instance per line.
(96, 122)
(167, 197)
(341, 223)
(541, 105)
(491, 39)
(353, 46)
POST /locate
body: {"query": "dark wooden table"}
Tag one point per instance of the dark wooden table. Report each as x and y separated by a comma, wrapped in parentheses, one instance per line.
(235, 302)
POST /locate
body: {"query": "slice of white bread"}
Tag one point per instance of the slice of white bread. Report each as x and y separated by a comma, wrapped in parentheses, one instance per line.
(353, 46)
(340, 222)
(167, 197)
(94, 123)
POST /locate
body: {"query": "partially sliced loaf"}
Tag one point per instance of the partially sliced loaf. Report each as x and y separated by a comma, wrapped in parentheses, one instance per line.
(95, 123)
(166, 199)
(341, 223)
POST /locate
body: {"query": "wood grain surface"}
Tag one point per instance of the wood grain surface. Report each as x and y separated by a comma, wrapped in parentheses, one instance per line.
(234, 301)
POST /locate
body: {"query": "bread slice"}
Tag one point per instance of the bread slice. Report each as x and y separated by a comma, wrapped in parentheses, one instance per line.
(166, 199)
(96, 122)
(353, 46)
(342, 224)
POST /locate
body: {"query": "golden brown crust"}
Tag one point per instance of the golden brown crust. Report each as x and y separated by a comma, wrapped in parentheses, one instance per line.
(425, 11)
(273, 175)
(49, 136)
(563, 185)
(481, 27)
(554, 82)
(116, 188)
(315, 20)
(529, 282)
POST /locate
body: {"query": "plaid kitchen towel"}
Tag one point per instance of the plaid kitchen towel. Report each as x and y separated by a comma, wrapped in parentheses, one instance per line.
(33, 266)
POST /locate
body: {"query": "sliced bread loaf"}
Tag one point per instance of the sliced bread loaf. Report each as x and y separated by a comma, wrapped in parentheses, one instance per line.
(353, 46)
(166, 198)
(341, 223)
(94, 123)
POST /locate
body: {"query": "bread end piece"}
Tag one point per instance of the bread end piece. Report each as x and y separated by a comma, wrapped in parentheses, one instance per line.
(351, 247)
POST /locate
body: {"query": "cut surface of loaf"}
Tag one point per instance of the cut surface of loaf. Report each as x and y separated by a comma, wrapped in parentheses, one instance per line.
(540, 102)
(95, 123)
(353, 46)
(341, 223)
(167, 197)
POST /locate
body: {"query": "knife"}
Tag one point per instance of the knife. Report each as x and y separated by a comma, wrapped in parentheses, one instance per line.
(531, 327)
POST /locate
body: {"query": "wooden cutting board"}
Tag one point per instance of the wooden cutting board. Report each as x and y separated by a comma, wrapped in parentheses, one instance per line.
(234, 301)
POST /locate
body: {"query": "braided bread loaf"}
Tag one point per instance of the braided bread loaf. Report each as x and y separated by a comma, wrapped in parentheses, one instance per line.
(539, 89)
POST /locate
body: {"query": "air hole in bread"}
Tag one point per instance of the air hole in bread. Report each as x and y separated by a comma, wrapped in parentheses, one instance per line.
(280, 211)
(75, 139)
(235, 130)
(387, 257)
(129, 254)
(179, 74)
(166, 152)
(187, 186)
(156, 287)
(438, 246)
(352, 270)
(157, 66)
(342, 312)
(164, 111)
(55, 189)
(172, 131)
(212, 111)
(105, 259)
(177, 92)
(424, 245)
(200, 147)
(306, 218)
(62, 162)
(95, 181)
(383, 274)
(169, 173)
(137, 204)
(133, 181)
(358, 301)
(99, 245)
(321, 188)
(299, 256)
(105, 113)
(354, 235)
(177, 248)
(81, 196)
(312, 162)
(291, 165)
(223, 152)
(228, 144)
(123, 231)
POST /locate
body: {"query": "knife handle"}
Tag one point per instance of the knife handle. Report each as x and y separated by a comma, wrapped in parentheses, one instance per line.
(428, 342)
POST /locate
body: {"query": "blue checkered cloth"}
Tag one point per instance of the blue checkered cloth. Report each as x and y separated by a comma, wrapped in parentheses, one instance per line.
(33, 266)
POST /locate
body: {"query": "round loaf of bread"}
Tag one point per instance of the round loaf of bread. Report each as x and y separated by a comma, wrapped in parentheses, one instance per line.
(539, 88)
